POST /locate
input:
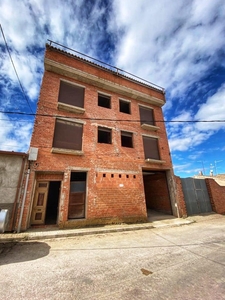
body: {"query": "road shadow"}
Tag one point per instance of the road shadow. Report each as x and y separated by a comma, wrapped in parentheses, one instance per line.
(16, 252)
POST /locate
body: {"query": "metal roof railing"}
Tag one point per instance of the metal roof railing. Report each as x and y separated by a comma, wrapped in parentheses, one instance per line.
(107, 66)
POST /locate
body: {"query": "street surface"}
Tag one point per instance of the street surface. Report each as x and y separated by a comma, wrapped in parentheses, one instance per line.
(186, 262)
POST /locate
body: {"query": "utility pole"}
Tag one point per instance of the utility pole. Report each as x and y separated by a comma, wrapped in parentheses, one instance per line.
(216, 161)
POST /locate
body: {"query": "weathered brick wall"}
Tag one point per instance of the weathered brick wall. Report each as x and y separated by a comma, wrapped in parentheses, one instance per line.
(106, 198)
(118, 195)
(180, 197)
(157, 193)
(216, 195)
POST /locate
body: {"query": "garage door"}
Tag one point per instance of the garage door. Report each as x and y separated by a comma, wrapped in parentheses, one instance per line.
(196, 196)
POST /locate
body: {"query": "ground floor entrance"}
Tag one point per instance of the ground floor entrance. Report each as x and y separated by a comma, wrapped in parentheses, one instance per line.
(157, 195)
(46, 202)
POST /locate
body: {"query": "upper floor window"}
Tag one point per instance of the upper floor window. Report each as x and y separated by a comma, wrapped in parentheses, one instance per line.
(151, 148)
(124, 106)
(71, 96)
(104, 101)
(104, 135)
(146, 115)
(68, 135)
(126, 139)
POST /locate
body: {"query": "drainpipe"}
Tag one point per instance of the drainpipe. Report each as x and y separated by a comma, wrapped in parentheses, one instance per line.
(24, 198)
(19, 191)
(178, 214)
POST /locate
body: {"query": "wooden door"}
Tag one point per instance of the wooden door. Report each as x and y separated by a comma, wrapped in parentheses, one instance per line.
(40, 201)
(77, 200)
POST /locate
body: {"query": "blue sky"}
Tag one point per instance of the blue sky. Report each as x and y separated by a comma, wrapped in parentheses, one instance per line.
(178, 45)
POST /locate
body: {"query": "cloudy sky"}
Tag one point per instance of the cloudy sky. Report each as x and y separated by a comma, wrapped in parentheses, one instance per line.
(179, 45)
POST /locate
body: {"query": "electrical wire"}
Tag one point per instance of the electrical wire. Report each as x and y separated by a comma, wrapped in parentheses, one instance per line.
(28, 103)
(109, 120)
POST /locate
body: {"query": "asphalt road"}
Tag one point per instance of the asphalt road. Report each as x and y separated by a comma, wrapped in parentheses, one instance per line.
(185, 262)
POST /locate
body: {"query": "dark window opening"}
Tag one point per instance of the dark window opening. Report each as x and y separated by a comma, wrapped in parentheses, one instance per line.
(134, 176)
(120, 175)
(151, 148)
(68, 135)
(104, 135)
(71, 94)
(112, 175)
(125, 107)
(78, 176)
(104, 101)
(104, 175)
(127, 176)
(127, 139)
(146, 116)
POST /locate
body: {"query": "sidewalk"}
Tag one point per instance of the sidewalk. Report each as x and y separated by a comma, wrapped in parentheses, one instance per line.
(53, 232)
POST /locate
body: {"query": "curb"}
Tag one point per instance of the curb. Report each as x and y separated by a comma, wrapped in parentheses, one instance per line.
(63, 233)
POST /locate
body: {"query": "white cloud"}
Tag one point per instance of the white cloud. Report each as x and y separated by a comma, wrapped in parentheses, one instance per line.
(14, 134)
(172, 44)
(212, 109)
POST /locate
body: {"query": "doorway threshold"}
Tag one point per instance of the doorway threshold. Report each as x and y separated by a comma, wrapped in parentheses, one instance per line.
(154, 215)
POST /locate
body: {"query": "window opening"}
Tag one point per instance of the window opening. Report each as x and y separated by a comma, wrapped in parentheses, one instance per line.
(124, 107)
(104, 135)
(126, 139)
(104, 101)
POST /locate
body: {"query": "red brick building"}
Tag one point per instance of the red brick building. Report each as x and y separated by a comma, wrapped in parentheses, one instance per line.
(103, 154)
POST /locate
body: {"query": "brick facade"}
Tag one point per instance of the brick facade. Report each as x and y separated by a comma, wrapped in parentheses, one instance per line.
(216, 195)
(115, 189)
(180, 198)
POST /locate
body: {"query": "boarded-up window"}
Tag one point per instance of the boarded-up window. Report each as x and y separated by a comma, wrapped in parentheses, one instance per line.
(71, 94)
(146, 115)
(151, 148)
(68, 135)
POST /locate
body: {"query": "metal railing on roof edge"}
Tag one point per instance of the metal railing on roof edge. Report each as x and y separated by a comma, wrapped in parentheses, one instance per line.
(112, 68)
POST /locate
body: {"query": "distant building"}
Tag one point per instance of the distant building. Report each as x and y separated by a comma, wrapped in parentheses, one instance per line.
(12, 172)
(103, 154)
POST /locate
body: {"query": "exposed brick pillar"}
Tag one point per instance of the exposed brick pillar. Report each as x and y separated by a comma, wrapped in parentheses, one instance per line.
(180, 197)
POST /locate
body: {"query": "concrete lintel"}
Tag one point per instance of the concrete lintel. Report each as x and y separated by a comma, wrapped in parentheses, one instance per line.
(68, 71)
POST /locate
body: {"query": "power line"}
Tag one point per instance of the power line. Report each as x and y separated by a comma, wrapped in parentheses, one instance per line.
(15, 70)
(110, 120)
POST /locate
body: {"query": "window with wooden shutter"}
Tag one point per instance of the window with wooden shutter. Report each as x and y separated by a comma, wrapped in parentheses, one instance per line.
(146, 116)
(71, 94)
(68, 135)
(151, 148)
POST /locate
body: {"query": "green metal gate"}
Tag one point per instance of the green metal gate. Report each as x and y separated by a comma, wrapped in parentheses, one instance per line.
(196, 196)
